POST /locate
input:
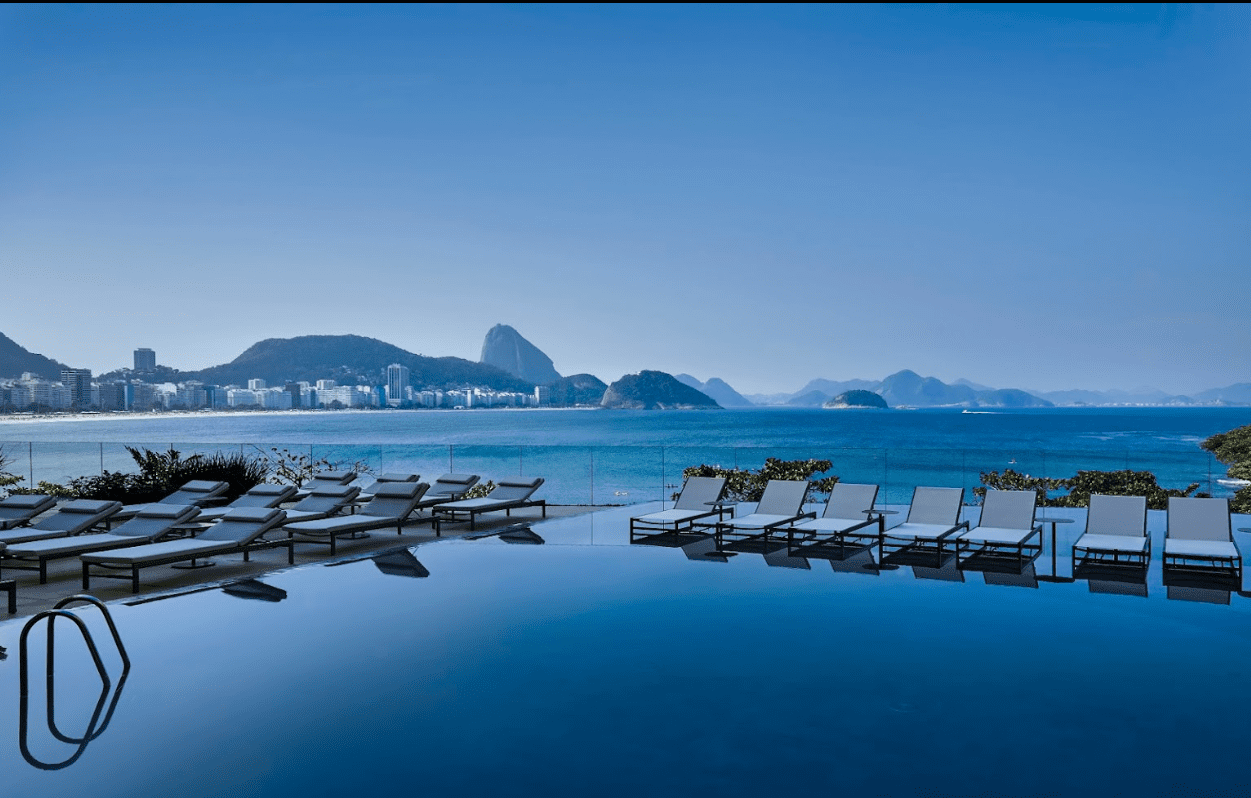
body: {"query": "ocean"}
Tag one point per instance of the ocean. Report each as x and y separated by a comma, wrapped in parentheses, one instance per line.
(594, 456)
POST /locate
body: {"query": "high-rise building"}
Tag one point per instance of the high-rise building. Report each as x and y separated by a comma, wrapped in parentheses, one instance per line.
(256, 385)
(145, 361)
(78, 383)
(397, 381)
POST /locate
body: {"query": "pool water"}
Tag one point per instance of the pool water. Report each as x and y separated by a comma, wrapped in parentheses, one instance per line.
(585, 666)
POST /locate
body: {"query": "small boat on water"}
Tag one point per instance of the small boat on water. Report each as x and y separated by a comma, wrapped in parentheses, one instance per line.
(1230, 482)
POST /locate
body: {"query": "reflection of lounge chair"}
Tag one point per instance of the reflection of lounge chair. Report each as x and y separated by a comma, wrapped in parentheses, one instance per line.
(1001, 539)
(1116, 536)
(925, 537)
(264, 495)
(18, 510)
(238, 532)
(195, 493)
(71, 518)
(861, 562)
(781, 504)
(1026, 578)
(694, 502)
(508, 495)
(152, 522)
(392, 504)
(1200, 540)
(322, 503)
(847, 515)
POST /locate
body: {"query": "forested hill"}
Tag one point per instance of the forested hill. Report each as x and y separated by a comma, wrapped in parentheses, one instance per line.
(15, 359)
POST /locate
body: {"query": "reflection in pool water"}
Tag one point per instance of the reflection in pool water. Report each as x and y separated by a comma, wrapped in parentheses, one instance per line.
(589, 666)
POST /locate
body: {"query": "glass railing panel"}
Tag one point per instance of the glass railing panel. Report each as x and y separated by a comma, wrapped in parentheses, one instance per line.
(570, 474)
(1180, 470)
(365, 457)
(629, 475)
(429, 462)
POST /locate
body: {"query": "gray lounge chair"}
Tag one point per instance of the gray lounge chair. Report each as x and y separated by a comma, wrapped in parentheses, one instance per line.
(382, 479)
(924, 538)
(848, 513)
(508, 495)
(71, 518)
(449, 487)
(699, 499)
(264, 495)
(323, 503)
(1115, 537)
(238, 532)
(391, 505)
(1002, 538)
(781, 505)
(195, 493)
(1200, 539)
(19, 509)
(325, 479)
(151, 523)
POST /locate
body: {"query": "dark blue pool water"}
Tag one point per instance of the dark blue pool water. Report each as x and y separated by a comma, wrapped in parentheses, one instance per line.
(586, 666)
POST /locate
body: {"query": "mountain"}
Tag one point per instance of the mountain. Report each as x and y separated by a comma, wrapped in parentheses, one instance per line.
(506, 349)
(14, 360)
(809, 399)
(654, 390)
(348, 359)
(1238, 394)
(578, 389)
(911, 389)
(719, 390)
(835, 387)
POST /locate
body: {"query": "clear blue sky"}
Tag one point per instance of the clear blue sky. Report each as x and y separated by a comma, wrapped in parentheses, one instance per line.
(1043, 197)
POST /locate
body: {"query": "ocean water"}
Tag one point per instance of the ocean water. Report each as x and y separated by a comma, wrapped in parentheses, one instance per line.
(633, 456)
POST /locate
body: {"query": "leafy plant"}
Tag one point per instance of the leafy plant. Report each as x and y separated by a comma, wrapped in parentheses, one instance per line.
(1230, 447)
(296, 468)
(744, 485)
(480, 490)
(6, 478)
(1079, 487)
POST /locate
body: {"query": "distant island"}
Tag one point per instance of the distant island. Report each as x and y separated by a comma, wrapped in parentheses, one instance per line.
(857, 398)
(654, 390)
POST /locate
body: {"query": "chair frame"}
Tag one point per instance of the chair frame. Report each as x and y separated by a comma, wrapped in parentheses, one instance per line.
(916, 551)
(641, 527)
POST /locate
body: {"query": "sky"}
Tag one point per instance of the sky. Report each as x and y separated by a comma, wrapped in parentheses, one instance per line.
(1046, 197)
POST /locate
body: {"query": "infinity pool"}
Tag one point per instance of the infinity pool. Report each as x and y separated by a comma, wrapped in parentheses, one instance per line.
(581, 665)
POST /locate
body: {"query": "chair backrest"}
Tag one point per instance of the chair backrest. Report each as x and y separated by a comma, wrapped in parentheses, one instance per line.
(1009, 509)
(515, 490)
(197, 490)
(1199, 519)
(936, 506)
(698, 492)
(783, 497)
(1117, 515)
(327, 499)
(155, 520)
(396, 476)
(22, 506)
(330, 478)
(454, 485)
(78, 515)
(395, 499)
(244, 524)
(849, 500)
(264, 495)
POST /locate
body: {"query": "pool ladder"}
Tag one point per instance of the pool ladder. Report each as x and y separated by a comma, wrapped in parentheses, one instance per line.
(97, 725)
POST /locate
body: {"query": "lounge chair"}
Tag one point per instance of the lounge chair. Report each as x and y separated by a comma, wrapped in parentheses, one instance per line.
(449, 487)
(382, 479)
(239, 531)
(1200, 540)
(71, 518)
(392, 504)
(19, 509)
(848, 513)
(195, 493)
(698, 499)
(325, 479)
(781, 505)
(264, 495)
(323, 503)
(1001, 541)
(508, 495)
(151, 523)
(1115, 537)
(924, 538)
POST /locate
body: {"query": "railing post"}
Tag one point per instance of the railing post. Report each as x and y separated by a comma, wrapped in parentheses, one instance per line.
(592, 459)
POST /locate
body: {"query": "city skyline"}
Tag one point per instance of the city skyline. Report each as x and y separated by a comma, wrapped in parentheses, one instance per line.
(1027, 197)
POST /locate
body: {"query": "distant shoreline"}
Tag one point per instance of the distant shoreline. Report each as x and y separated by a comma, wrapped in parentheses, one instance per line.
(53, 418)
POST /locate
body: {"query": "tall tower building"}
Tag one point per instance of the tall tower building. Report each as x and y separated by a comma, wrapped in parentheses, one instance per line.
(78, 383)
(145, 361)
(397, 381)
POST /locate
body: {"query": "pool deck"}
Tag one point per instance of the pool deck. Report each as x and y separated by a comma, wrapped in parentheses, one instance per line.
(65, 576)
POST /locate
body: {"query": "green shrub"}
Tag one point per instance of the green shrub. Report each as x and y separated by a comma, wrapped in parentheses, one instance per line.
(1079, 487)
(743, 485)
(1230, 447)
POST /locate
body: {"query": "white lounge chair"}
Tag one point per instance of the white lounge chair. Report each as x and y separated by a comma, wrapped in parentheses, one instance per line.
(781, 504)
(238, 532)
(265, 495)
(1002, 538)
(1115, 537)
(195, 493)
(848, 514)
(924, 538)
(508, 495)
(699, 499)
(71, 518)
(1200, 539)
(151, 523)
(392, 504)
(323, 503)
(19, 509)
